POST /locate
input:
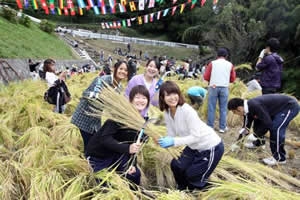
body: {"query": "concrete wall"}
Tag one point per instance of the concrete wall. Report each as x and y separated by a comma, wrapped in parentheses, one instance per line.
(22, 68)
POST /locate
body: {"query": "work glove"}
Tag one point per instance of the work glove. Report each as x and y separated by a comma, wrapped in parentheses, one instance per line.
(166, 142)
(158, 84)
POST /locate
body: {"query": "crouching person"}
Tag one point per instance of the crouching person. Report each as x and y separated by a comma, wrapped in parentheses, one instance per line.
(204, 148)
(271, 112)
(113, 145)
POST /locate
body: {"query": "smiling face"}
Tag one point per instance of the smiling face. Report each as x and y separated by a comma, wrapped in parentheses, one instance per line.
(151, 69)
(171, 99)
(140, 102)
(121, 72)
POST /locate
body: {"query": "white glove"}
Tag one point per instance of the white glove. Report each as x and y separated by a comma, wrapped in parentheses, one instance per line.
(262, 54)
(234, 147)
(244, 131)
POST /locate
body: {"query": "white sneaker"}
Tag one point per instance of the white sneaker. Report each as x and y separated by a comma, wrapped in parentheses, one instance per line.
(271, 161)
(251, 138)
(223, 130)
(250, 145)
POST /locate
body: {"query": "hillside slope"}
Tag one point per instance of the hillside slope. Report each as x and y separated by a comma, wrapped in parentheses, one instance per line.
(18, 41)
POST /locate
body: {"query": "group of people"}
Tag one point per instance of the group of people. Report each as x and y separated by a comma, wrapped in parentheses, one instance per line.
(110, 145)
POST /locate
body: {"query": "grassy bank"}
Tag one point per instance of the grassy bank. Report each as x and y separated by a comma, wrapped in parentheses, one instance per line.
(17, 41)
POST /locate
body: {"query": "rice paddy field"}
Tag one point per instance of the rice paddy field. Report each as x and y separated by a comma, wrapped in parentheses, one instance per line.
(42, 158)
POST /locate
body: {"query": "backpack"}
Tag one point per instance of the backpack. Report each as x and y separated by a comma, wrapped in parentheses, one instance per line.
(58, 93)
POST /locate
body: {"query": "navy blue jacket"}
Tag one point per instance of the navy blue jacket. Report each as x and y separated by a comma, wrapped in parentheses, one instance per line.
(271, 67)
(262, 109)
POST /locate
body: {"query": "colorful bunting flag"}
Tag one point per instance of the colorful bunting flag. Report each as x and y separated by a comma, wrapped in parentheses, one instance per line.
(173, 10)
(182, 6)
(215, 2)
(73, 13)
(158, 15)
(80, 3)
(151, 3)
(66, 12)
(165, 12)
(119, 24)
(203, 2)
(141, 4)
(35, 5)
(58, 11)
(145, 19)
(123, 2)
(19, 4)
(80, 11)
(61, 4)
(174, 1)
(52, 6)
(140, 20)
(102, 25)
(107, 25)
(132, 6)
(122, 8)
(45, 7)
(103, 8)
(151, 17)
(26, 3)
(112, 4)
(70, 4)
(128, 22)
(124, 23)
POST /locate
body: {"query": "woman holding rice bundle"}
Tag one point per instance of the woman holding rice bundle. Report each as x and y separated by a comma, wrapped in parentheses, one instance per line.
(204, 148)
(87, 124)
(148, 79)
(113, 144)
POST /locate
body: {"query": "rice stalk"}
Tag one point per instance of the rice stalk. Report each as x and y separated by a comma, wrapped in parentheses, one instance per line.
(46, 186)
(66, 133)
(175, 195)
(246, 190)
(35, 136)
(7, 136)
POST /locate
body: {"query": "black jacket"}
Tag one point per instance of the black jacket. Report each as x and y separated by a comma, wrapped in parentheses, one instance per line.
(112, 138)
(262, 109)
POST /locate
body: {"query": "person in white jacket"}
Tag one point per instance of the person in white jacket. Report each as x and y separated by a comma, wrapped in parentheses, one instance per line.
(204, 148)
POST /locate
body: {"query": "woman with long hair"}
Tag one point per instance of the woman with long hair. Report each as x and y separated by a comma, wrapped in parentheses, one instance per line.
(87, 124)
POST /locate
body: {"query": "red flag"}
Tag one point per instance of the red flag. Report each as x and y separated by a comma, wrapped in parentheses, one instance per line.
(203, 2)
(19, 3)
(66, 12)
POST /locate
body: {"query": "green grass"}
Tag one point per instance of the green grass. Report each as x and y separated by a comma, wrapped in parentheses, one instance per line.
(18, 41)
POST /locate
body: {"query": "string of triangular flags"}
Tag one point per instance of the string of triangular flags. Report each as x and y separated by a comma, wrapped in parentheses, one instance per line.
(149, 18)
(68, 8)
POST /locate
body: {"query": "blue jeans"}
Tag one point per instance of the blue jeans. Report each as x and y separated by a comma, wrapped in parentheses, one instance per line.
(277, 135)
(217, 94)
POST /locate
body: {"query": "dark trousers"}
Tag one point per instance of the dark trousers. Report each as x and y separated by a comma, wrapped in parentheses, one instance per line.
(86, 138)
(192, 169)
(116, 160)
(277, 135)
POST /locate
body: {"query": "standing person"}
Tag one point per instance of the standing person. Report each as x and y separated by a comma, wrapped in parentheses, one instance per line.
(131, 67)
(113, 145)
(196, 95)
(219, 73)
(87, 124)
(128, 47)
(271, 67)
(101, 57)
(204, 148)
(141, 54)
(271, 112)
(149, 80)
(52, 81)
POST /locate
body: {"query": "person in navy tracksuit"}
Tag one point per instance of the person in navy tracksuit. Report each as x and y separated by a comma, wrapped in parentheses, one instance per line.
(270, 112)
